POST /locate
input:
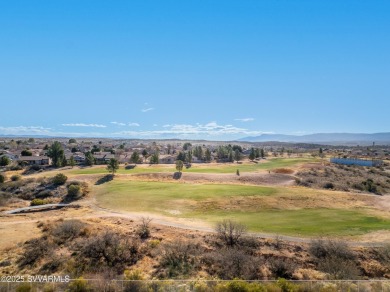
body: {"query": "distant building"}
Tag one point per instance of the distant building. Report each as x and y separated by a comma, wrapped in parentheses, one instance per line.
(35, 160)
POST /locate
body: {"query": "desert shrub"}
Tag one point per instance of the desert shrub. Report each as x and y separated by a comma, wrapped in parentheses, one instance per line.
(320, 248)
(24, 287)
(328, 185)
(38, 202)
(232, 263)
(281, 267)
(286, 286)
(16, 177)
(59, 179)
(67, 230)
(16, 167)
(34, 250)
(143, 229)
(334, 258)
(35, 167)
(230, 232)
(109, 249)
(339, 268)
(74, 192)
(44, 194)
(383, 254)
(178, 258)
(52, 265)
(154, 243)
(79, 285)
(239, 286)
(2, 178)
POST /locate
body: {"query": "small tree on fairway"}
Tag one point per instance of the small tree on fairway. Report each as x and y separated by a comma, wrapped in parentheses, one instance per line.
(237, 155)
(134, 157)
(179, 165)
(154, 158)
(72, 162)
(207, 155)
(252, 155)
(238, 172)
(113, 165)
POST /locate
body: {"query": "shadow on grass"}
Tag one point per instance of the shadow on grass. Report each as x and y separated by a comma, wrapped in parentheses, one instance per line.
(130, 167)
(104, 179)
(177, 175)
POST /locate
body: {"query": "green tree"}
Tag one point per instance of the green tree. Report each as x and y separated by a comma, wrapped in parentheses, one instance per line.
(89, 159)
(189, 157)
(135, 157)
(179, 165)
(113, 165)
(145, 153)
(230, 155)
(186, 146)
(262, 153)
(252, 154)
(238, 172)
(237, 155)
(181, 156)
(154, 159)
(71, 141)
(26, 152)
(72, 162)
(257, 153)
(56, 153)
(4, 160)
(207, 155)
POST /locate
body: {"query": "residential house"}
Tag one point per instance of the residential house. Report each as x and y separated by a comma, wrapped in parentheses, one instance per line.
(34, 160)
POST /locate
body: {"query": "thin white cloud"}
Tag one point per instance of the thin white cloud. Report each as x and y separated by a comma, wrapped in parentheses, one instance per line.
(18, 130)
(118, 123)
(147, 109)
(209, 130)
(134, 125)
(84, 125)
(245, 120)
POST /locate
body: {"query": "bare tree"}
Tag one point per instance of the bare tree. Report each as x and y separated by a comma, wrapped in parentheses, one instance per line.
(144, 228)
(230, 232)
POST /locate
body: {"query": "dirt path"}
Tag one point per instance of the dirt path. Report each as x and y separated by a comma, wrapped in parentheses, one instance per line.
(180, 223)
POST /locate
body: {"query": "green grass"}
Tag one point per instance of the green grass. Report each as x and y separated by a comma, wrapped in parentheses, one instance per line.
(204, 201)
(201, 168)
(305, 222)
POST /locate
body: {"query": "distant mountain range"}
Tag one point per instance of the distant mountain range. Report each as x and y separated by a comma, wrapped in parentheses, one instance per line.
(324, 138)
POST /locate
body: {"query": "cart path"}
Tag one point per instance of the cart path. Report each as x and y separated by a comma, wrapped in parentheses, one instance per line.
(180, 223)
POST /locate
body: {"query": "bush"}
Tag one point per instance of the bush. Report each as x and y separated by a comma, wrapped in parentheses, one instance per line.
(38, 202)
(321, 249)
(79, 285)
(2, 178)
(35, 249)
(339, 268)
(230, 232)
(328, 185)
(67, 230)
(44, 194)
(74, 191)
(232, 263)
(109, 249)
(144, 229)
(179, 258)
(59, 179)
(16, 177)
(281, 267)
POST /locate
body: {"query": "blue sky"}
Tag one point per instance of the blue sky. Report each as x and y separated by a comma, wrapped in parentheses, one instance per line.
(194, 69)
